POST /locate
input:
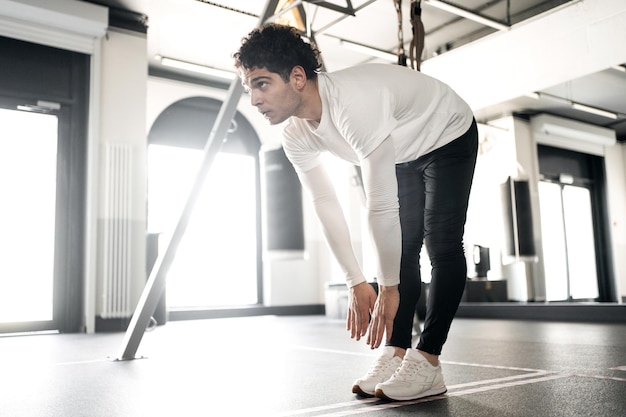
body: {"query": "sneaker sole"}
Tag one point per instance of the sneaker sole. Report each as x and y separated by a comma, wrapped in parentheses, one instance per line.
(430, 393)
(358, 391)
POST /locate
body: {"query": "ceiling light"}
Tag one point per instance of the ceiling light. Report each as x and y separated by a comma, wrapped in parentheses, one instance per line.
(368, 50)
(534, 95)
(555, 98)
(558, 127)
(575, 106)
(201, 69)
(459, 11)
(594, 110)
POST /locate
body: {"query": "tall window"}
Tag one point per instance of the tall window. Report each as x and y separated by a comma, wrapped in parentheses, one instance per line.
(43, 165)
(28, 164)
(568, 242)
(217, 263)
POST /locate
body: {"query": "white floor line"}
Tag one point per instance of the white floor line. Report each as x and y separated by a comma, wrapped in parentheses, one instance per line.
(82, 362)
(499, 380)
(367, 401)
(386, 406)
(606, 377)
(85, 362)
(480, 365)
(548, 377)
(36, 364)
(372, 354)
(327, 407)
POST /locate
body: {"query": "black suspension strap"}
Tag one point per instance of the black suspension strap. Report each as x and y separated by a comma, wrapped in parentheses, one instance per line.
(401, 54)
(417, 43)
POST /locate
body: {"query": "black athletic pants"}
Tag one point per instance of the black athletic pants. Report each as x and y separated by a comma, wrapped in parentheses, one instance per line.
(433, 191)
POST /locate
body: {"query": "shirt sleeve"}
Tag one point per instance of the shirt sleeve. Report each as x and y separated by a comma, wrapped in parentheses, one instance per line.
(381, 190)
(331, 217)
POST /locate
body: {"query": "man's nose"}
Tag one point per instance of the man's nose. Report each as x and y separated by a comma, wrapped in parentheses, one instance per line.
(254, 99)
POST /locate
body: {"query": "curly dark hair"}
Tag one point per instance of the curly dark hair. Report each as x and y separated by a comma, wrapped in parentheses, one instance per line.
(278, 48)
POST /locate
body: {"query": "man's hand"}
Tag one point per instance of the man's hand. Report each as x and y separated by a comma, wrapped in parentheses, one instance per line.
(383, 314)
(361, 304)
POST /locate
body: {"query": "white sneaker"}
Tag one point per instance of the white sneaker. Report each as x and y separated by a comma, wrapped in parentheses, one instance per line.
(416, 378)
(380, 371)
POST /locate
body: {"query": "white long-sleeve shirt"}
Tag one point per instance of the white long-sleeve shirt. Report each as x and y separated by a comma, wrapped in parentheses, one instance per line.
(374, 116)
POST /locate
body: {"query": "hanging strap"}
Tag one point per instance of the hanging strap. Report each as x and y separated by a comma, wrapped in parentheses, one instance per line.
(401, 54)
(417, 43)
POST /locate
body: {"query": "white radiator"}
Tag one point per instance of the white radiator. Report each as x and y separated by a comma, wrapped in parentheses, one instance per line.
(116, 230)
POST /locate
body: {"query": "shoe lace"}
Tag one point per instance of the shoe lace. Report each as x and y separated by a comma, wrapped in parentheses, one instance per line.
(379, 366)
(407, 370)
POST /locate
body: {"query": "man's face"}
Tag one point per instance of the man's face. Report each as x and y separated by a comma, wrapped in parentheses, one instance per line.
(276, 99)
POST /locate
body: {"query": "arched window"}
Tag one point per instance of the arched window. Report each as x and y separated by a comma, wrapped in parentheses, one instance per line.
(218, 262)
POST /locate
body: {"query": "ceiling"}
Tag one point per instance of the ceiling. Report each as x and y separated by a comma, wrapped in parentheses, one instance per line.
(208, 32)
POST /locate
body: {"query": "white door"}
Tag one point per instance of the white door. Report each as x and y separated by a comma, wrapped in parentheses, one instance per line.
(28, 167)
(568, 242)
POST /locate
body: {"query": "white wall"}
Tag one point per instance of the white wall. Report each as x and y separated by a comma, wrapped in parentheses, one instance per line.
(122, 120)
(526, 150)
(505, 151)
(615, 160)
(66, 24)
(496, 161)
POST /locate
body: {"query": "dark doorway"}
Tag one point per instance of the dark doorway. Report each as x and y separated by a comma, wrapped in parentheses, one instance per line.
(574, 226)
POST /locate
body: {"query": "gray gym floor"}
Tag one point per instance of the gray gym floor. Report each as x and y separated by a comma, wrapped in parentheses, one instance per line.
(305, 365)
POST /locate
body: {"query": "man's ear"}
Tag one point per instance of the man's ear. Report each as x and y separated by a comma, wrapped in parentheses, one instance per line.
(298, 77)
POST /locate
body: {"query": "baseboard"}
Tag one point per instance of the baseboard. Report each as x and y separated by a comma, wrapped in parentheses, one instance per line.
(570, 312)
(245, 311)
(111, 325)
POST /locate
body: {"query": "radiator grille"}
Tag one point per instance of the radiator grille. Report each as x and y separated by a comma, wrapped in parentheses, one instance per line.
(116, 233)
